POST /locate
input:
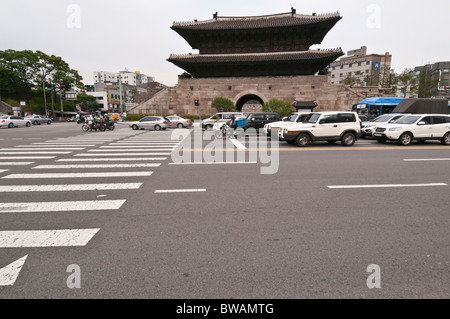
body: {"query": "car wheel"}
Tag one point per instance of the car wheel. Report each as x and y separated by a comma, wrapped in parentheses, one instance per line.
(446, 139)
(11, 125)
(157, 128)
(302, 140)
(348, 139)
(28, 124)
(49, 122)
(180, 125)
(405, 139)
(35, 123)
(135, 127)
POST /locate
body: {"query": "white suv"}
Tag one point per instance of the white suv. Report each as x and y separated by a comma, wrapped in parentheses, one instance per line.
(325, 126)
(278, 126)
(208, 123)
(420, 127)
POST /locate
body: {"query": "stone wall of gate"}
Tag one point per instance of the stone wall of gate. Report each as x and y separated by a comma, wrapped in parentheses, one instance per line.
(180, 99)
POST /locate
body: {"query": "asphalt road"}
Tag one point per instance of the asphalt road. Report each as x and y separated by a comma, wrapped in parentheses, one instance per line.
(223, 230)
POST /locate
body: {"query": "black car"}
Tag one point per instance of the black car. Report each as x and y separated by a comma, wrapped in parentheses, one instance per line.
(257, 120)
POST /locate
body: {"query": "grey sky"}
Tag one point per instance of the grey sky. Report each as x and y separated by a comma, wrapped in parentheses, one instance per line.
(136, 34)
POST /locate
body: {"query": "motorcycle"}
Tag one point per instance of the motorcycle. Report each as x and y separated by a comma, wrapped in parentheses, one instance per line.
(93, 126)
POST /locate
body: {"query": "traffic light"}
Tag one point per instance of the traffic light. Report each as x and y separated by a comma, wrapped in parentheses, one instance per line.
(197, 102)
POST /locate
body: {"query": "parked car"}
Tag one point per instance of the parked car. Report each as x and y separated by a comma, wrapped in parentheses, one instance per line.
(208, 123)
(72, 119)
(176, 121)
(420, 127)
(296, 117)
(260, 119)
(369, 127)
(13, 121)
(38, 119)
(324, 126)
(156, 123)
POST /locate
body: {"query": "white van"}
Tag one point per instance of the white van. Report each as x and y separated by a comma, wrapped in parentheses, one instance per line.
(208, 123)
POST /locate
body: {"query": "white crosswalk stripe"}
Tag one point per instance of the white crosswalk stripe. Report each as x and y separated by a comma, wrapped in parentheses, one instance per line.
(46, 238)
(68, 187)
(78, 175)
(30, 207)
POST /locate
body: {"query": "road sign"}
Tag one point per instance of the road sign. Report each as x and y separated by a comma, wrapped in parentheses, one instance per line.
(57, 85)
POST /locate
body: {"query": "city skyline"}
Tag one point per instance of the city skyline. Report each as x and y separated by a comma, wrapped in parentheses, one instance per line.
(135, 35)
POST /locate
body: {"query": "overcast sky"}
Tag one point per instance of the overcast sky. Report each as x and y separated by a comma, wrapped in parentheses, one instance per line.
(111, 35)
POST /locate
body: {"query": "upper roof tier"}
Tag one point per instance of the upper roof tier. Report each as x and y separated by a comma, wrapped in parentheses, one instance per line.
(281, 20)
(310, 29)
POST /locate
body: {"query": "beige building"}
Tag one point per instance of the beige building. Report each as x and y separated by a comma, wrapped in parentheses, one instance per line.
(366, 69)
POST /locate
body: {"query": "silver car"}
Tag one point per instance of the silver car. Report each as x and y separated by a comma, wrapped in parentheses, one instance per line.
(368, 128)
(13, 121)
(176, 121)
(156, 123)
(38, 119)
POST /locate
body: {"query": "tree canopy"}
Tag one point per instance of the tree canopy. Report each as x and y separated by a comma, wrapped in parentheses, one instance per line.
(222, 104)
(22, 71)
(281, 107)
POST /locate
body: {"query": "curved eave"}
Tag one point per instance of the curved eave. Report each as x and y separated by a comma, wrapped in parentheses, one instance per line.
(285, 63)
(317, 30)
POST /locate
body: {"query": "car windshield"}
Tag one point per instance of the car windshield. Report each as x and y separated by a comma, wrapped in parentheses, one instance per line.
(407, 120)
(312, 118)
(382, 119)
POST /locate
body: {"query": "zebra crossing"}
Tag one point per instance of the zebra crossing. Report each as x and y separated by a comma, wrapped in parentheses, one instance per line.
(37, 169)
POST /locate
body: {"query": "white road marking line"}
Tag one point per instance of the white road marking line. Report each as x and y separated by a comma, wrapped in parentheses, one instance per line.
(3, 170)
(44, 149)
(97, 166)
(24, 153)
(33, 207)
(69, 187)
(238, 144)
(9, 273)
(121, 154)
(46, 238)
(212, 163)
(179, 191)
(112, 159)
(386, 186)
(79, 175)
(134, 150)
(426, 159)
(141, 146)
(16, 163)
(26, 157)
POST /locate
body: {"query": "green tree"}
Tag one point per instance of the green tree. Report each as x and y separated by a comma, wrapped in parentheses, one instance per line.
(349, 80)
(281, 107)
(222, 104)
(408, 81)
(17, 74)
(427, 84)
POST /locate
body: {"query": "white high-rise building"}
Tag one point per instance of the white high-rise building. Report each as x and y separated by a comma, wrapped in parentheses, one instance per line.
(126, 77)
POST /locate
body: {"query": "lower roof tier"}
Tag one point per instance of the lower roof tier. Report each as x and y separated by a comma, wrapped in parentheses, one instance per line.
(256, 64)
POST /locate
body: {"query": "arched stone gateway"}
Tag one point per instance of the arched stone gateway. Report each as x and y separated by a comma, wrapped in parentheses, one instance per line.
(248, 96)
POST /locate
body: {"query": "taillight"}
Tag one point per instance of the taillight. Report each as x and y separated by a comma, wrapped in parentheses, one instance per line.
(3, 121)
(164, 122)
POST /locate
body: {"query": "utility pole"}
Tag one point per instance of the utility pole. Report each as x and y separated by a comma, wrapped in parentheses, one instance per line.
(120, 95)
(45, 97)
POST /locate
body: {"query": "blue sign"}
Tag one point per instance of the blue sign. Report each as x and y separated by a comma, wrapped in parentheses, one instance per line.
(376, 66)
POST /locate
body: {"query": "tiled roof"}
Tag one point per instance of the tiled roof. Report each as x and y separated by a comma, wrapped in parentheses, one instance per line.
(270, 21)
(257, 57)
